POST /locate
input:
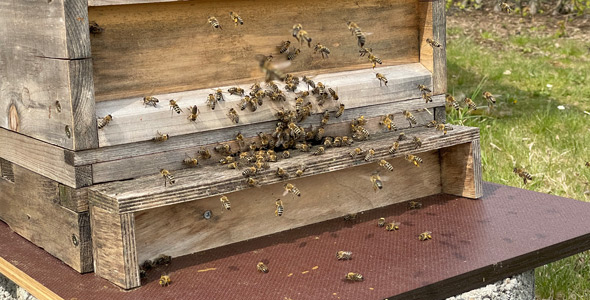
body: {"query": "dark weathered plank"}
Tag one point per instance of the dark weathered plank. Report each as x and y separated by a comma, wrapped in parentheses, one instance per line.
(124, 2)
(73, 199)
(461, 170)
(425, 30)
(439, 28)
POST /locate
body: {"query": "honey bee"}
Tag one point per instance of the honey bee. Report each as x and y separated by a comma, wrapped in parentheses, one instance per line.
(290, 188)
(303, 147)
(296, 29)
(244, 102)
(333, 94)
(291, 87)
(382, 79)
(354, 276)
(320, 151)
(309, 82)
(150, 100)
(285, 154)
(319, 133)
(370, 154)
(394, 147)
(295, 129)
(374, 60)
(252, 182)
(410, 118)
(359, 121)
(346, 141)
(376, 181)
(360, 133)
(236, 91)
(233, 165)
(261, 267)
(506, 7)
(284, 46)
(225, 202)
(450, 100)
(356, 31)
(219, 95)
(414, 159)
(417, 142)
(226, 160)
(340, 111)
(587, 164)
(387, 121)
(282, 173)
(344, 255)
(236, 18)
(211, 101)
(163, 259)
(426, 235)
(523, 174)
(432, 124)
(300, 170)
(415, 205)
(350, 217)
(402, 137)
(325, 118)
(224, 149)
(433, 43)
(233, 115)
(327, 142)
(470, 104)
(392, 226)
(337, 142)
(204, 153)
(214, 23)
(190, 161)
(168, 178)
(280, 208)
(194, 113)
(427, 97)
(160, 137)
(364, 51)
(249, 172)
(303, 35)
(292, 54)
(94, 28)
(355, 152)
(381, 222)
(174, 106)
(424, 89)
(490, 98)
(443, 127)
(385, 164)
(165, 280)
(324, 51)
(104, 121)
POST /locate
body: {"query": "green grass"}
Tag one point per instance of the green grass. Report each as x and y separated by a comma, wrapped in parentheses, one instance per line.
(530, 77)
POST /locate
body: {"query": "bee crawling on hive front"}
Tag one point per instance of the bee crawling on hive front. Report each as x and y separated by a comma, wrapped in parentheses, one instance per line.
(290, 188)
(426, 235)
(394, 147)
(279, 210)
(344, 255)
(261, 267)
(204, 153)
(376, 181)
(402, 137)
(165, 280)
(214, 23)
(94, 28)
(414, 159)
(522, 173)
(354, 276)
(382, 79)
(370, 154)
(392, 226)
(385, 164)
(225, 202)
(300, 170)
(387, 121)
(104, 121)
(236, 18)
(350, 217)
(282, 173)
(168, 178)
(340, 111)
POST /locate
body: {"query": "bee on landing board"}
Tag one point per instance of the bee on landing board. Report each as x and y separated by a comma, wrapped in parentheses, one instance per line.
(204, 153)
(261, 267)
(165, 280)
(190, 161)
(150, 101)
(370, 154)
(236, 91)
(376, 181)
(415, 205)
(381, 222)
(392, 226)
(354, 276)
(194, 113)
(233, 115)
(211, 101)
(168, 178)
(174, 106)
(344, 255)
(426, 235)
(160, 137)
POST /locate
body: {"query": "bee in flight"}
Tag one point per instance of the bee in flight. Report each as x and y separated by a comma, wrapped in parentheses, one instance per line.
(261, 267)
(168, 178)
(374, 60)
(236, 18)
(290, 188)
(523, 174)
(385, 164)
(233, 115)
(426, 235)
(392, 226)
(506, 7)
(174, 106)
(194, 113)
(381, 222)
(225, 202)
(104, 121)
(414, 159)
(324, 51)
(214, 23)
(165, 280)
(356, 31)
(376, 181)
(470, 104)
(424, 89)
(427, 97)
(344, 255)
(300, 170)
(296, 29)
(160, 137)
(382, 79)
(303, 35)
(354, 276)
(364, 51)
(433, 43)
(95, 28)
(410, 117)
(292, 54)
(333, 94)
(450, 100)
(490, 98)
(415, 205)
(150, 100)
(279, 210)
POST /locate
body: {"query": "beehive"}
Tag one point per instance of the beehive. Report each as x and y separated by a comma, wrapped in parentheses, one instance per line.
(59, 79)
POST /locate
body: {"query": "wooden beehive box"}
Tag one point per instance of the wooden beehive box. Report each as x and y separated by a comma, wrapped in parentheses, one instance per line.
(57, 79)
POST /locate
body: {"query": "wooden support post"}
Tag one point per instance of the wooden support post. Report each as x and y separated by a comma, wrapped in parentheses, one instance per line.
(461, 170)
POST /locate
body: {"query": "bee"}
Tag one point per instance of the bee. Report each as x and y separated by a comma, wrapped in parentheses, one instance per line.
(414, 159)
(226, 160)
(190, 161)
(168, 178)
(244, 102)
(253, 103)
(94, 28)
(233, 115)
(261, 267)
(252, 182)
(392, 226)
(280, 208)
(352, 26)
(340, 111)
(415, 205)
(234, 165)
(236, 18)
(337, 142)
(426, 235)
(282, 173)
(443, 127)
(204, 153)
(350, 217)
(506, 7)
(346, 141)
(236, 91)
(354, 276)
(290, 188)
(296, 29)
(150, 100)
(402, 137)
(355, 152)
(291, 87)
(410, 117)
(327, 142)
(211, 101)
(433, 43)
(320, 151)
(376, 181)
(427, 97)
(174, 106)
(370, 154)
(359, 121)
(417, 142)
(385, 164)
(219, 95)
(432, 124)
(424, 89)
(523, 174)
(225, 202)
(294, 129)
(163, 259)
(381, 222)
(284, 46)
(344, 255)
(302, 35)
(214, 23)
(249, 172)
(324, 51)
(587, 164)
(382, 79)
(285, 154)
(394, 147)
(309, 82)
(450, 100)
(165, 280)
(364, 51)
(194, 113)
(264, 141)
(387, 121)
(303, 147)
(160, 137)
(300, 170)
(374, 60)
(356, 31)
(224, 149)
(325, 118)
(105, 121)
(360, 133)
(319, 134)
(333, 94)
(470, 104)
(490, 98)
(254, 89)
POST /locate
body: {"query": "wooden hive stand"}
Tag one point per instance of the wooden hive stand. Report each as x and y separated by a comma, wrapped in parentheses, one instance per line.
(58, 79)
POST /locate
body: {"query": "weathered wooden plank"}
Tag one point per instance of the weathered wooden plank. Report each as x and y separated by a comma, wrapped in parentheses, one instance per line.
(129, 251)
(38, 290)
(323, 197)
(440, 114)
(439, 74)
(30, 206)
(84, 130)
(43, 158)
(6, 171)
(149, 192)
(425, 32)
(73, 199)
(133, 122)
(127, 55)
(461, 170)
(124, 2)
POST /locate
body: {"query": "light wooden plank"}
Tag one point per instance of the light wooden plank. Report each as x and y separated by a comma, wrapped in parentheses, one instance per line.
(127, 55)
(129, 251)
(73, 199)
(20, 278)
(439, 76)
(30, 206)
(461, 170)
(149, 192)
(324, 197)
(425, 32)
(125, 2)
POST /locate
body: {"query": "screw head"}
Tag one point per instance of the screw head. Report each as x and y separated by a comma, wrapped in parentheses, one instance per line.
(207, 215)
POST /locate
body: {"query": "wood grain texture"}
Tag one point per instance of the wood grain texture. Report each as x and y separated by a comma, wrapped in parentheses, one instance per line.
(192, 184)
(38, 290)
(425, 31)
(439, 28)
(440, 114)
(129, 251)
(461, 170)
(124, 2)
(30, 206)
(43, 158)
(73, 199)
(84, 130)
(127, 56)
(6, 171)
(323, 197)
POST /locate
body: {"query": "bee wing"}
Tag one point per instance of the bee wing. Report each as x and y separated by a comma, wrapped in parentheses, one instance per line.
(285, 192)
(367, 33)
